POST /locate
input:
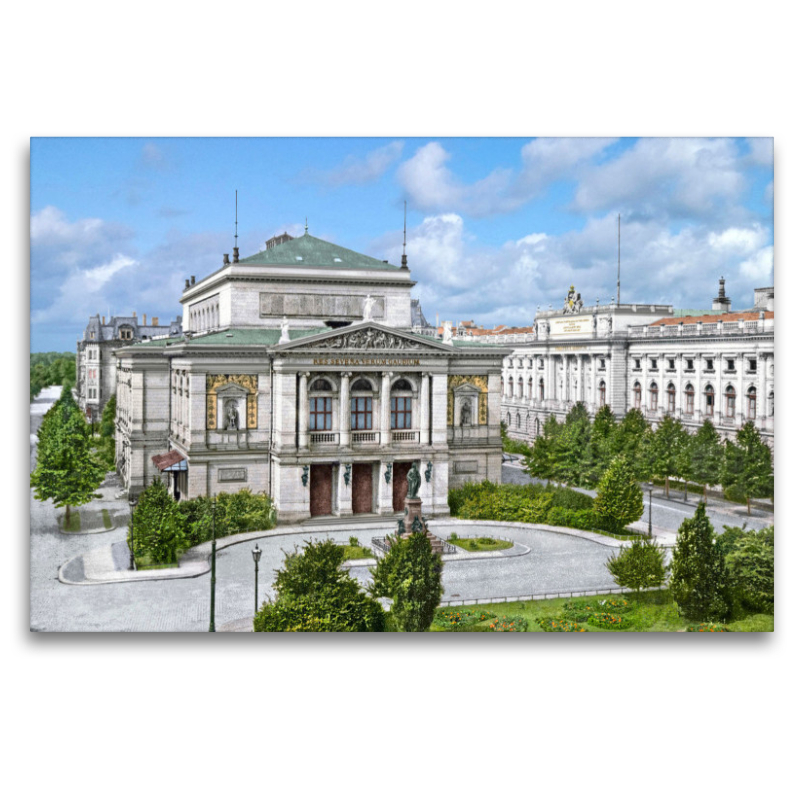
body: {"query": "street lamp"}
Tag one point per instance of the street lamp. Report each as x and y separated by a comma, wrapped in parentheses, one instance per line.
(132, 504)
(256, 559)
(211, 628)
(650, 515)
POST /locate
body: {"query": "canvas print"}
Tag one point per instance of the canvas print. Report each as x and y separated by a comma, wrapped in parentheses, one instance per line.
(402, 385)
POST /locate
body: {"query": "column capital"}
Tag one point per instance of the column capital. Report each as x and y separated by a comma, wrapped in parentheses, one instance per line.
(387, 374)
(346, 374)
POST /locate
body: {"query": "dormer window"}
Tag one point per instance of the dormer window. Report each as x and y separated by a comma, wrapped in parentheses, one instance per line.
(126, 334)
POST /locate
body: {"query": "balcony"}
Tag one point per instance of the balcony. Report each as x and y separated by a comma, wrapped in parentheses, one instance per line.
(323, 439)
(405, 437)
(365, 437)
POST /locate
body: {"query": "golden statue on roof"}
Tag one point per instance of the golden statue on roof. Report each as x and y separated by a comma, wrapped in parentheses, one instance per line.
(572, 302)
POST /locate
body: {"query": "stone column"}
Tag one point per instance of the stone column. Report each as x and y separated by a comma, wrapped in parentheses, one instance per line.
(385, 490)
(439, 419)
(679, 387)
(302, 420)
(761, 391)
(344, 411)
(595, 396)
(424, 410)
(580, 381)
(741, 400)
(343, 501)
(386, 387)
(719, 411)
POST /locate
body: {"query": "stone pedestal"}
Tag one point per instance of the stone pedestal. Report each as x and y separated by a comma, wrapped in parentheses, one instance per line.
(413, 513)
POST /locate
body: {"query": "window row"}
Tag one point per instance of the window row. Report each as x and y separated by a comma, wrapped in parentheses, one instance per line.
(320, 415)
(730, 364)
(708, 400)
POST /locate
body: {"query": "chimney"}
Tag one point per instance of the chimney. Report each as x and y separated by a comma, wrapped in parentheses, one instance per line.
(104, 320)
(721, 302)
(225, 260)
(187, 285)
(134, 315)
(192, 280)
(235, 255)
(144, 319)
(155, 321)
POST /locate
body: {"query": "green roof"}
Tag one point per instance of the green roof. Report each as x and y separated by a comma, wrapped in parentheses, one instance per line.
(264, 336)
(309, 251)
(694, 312)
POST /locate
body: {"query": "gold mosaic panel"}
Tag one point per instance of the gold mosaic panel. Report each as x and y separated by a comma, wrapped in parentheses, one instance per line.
(482, 383)
(214, 382)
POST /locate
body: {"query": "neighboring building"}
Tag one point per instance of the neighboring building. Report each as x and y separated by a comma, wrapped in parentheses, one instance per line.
(716, 364)
(96, 373)
(419, 324)
(308, 383)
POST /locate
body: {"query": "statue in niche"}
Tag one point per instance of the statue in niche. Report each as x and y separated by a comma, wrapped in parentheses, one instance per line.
(466, 412)
(232, 416)
(414, 481)
(284, 331)
(369, 302)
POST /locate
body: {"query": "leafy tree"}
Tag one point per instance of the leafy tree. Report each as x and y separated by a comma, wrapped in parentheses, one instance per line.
(705, 457)
(631, 440)
(619, 497)
(157, 526)
(640, 566)
(67, 470)
(541, 463)
(747, 465)
(570, 445)
(751, 566)
(411, 575)
(601, 446)
(51, 369)
(667, 449)
(109, 417)
(699, 579)
(314, 594)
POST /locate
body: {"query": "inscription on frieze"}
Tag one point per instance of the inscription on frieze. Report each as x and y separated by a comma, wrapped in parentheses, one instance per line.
(232, 475)
(318, 305)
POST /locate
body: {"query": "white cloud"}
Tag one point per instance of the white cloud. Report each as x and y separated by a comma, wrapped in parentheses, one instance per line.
(432, 186)
(762, 150)
(759, 268)
(360, 170)
(739, 240)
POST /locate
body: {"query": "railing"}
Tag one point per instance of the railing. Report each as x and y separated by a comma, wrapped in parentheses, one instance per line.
(701, 329)
(364, 437)
(405, 436)
(380, 543)
(323, 438)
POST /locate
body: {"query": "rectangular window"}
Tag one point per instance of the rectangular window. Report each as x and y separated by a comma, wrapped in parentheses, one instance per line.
(671, 402)
(401, 413)
(637, 363)
(731, 405)
(653, 364)
(752, 365)
(690, 402)
(672, 363)
(709, 364)
(361, 413)
(320, 417)
(730, 363)
(751, 407)
(689, 363)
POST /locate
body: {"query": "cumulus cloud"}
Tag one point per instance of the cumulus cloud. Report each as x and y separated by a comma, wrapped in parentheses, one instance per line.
(677, 177)
(459, 279)
(359, 170)
(432, 186)
(762, 150)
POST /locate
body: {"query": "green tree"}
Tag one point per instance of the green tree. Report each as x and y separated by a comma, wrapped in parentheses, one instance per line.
(541, 463)
(705, 457)
(619, 497)
(667, 450)
(67, 471)
(601, 446)
(699, 578)
(631, 440)
(158, 525)
(747, 465)
(570, 445)
(751, 566)
(411, 575)
(109, 418)
(640, 566)
(315, 594)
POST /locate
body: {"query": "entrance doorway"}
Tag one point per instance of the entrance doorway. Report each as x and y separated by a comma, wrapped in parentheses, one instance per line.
(362, 488)
(321, 489)
(400, 484)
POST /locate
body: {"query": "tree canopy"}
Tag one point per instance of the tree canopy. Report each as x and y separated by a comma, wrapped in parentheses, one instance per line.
(747, 465)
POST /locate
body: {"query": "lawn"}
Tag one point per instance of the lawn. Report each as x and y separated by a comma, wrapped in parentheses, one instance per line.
(74, 522)
(480, 544)
(107, 520)
(655, 612)
(146, 562)
(353, 552)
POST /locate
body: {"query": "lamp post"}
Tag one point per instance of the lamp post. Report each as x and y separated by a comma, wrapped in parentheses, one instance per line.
(132, 503)
(256, 559)
(650, 514)
(211, 628)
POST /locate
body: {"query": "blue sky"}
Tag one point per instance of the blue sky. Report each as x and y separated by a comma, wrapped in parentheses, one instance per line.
(496, 226)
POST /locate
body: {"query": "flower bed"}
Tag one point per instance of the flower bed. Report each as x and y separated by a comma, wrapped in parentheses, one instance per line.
(508, 624)
(561, 626)
(707, 627)
(609, 622)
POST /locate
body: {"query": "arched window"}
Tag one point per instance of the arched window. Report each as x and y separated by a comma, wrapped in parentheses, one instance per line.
(689, 404)
(751, 403)
(361, 405)
(530, 388)
(400, 405)
(502, 387)
(709, 393)
(519, 422)
(730, 401)
(320, 407)
(541, 388)
(601, 393)
(537, 427)
(771, 404)
(519, 389)
(637, 395)
(508, 419)
(670, 398)
(653, 397)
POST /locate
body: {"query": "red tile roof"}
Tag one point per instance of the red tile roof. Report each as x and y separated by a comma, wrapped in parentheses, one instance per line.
(167, 460)
(733, 316)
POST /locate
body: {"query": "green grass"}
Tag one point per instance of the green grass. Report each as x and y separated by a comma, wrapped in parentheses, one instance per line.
(481, 544)
(146, 562)
(74, 522)
(107, 520)
(654, 612)
(352, 552)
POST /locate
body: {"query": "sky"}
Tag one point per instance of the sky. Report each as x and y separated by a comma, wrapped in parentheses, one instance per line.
(496, 226)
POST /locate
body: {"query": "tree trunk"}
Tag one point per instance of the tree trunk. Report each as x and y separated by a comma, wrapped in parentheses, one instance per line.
(66, 518)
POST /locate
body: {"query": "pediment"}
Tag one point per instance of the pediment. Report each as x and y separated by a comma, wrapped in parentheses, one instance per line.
(367, 337)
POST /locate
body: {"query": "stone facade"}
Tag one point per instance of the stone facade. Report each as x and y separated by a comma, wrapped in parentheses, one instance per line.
(715, 364)
(324, 418)
(96, 365)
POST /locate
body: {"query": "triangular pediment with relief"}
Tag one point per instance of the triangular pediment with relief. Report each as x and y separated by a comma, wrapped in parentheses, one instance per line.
(367, 337)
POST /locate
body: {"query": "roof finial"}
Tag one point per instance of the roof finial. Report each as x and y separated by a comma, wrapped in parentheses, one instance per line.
(306, 226)
(404, 259)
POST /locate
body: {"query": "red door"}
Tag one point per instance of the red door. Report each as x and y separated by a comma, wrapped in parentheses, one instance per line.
(400, 484)
(362, 488)
(321, 489)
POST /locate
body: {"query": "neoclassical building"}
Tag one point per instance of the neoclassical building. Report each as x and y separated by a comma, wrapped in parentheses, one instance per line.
(298, 374)
(712, 364)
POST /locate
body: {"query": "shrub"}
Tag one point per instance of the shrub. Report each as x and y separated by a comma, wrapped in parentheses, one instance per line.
(454, 619)
(610, 622)
(640, 566)
(699, 580)
(582, 520)
(619, 497)
(750, 561)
